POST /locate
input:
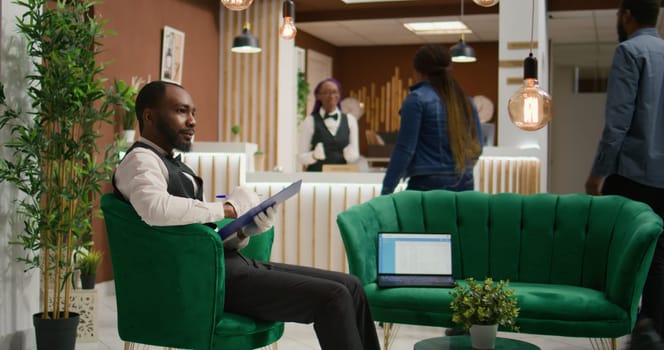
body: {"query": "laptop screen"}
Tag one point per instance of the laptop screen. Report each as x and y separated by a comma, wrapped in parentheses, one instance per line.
(414, 254)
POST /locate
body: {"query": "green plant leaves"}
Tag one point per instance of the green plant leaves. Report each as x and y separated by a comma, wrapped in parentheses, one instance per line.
(54, 158)
(484, 303)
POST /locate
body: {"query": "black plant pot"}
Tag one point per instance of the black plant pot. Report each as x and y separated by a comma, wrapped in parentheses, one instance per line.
(57, 334)
(88, 281)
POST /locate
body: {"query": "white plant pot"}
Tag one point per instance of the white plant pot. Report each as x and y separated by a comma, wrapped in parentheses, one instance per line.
(259, 162)
(129, 136)
(483, 336)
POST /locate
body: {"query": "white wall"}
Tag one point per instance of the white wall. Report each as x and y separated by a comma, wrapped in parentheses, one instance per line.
(578, 118)
(287, 109)
(18, 290)
(515, 26)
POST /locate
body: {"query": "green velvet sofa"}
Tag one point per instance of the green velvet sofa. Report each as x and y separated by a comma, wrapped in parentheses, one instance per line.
(578, 263)
(169, 284)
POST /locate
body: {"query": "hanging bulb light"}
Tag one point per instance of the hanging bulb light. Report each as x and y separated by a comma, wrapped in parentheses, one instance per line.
(246, 42)
(287, 29)
(486, 3)
(530, 108)
(236, 5)
(462, 52)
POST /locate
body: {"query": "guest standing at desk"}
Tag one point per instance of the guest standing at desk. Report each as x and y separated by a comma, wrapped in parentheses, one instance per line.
(439, 135)
(328, 136)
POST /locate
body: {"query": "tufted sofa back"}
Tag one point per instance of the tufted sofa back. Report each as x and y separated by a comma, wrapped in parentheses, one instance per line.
(572, 239)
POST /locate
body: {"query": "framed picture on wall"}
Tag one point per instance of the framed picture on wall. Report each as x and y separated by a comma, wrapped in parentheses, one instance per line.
(172, 54)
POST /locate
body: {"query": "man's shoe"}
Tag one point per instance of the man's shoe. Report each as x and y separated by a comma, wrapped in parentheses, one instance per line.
(450, 332)
(644, 337)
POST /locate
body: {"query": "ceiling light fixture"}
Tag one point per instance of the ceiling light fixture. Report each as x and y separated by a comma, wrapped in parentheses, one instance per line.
(486, 3)
(287, 29)
(246, 42)
(236, 5)
(440, 27)
(462, 52)
(369, 1)
(530, 108)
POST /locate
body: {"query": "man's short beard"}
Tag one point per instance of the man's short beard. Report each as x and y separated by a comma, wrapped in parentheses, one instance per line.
(172, 136)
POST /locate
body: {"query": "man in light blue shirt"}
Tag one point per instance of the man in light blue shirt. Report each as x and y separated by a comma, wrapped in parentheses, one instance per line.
(630, 155)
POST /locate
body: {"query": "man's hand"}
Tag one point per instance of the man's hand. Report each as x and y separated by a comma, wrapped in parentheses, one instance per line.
(262, 222)
(594, 185)
(319, 151)
(229, 211)
(242, 199)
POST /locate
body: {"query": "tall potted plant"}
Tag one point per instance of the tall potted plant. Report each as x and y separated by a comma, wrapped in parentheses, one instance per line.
(54, 157)
(482, 307)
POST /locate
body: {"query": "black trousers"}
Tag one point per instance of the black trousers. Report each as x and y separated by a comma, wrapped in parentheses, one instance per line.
(335, 302)
(652, 303)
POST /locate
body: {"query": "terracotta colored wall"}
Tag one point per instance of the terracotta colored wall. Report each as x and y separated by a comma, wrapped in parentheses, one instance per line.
(308, 41)
(136, 51)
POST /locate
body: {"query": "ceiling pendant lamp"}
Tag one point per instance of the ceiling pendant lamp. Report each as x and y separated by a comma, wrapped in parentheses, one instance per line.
(530, 108)
(237, 5)
(486, 3)
(287, 29)
(462, 52)
(246, 42)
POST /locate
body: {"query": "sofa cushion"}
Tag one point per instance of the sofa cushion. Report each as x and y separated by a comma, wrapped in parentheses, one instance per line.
(544, 307)
(231, 332)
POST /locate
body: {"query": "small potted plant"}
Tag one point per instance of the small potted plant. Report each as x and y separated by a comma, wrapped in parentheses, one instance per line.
(87, 264)
(259, 161)
(125, 112)
(482, 307)
(235, 133)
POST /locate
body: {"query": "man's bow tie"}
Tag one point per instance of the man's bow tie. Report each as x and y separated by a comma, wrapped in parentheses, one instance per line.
(333, 116)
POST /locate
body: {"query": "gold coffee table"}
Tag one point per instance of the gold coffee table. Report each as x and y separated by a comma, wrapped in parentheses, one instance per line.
(462, 342)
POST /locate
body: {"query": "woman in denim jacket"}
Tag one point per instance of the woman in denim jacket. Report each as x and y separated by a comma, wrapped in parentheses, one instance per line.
(439, 137)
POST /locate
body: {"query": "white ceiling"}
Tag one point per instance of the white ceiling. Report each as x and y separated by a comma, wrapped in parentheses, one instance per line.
(564, 27)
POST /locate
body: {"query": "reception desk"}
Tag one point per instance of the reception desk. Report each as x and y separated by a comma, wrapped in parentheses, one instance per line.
(306, 232)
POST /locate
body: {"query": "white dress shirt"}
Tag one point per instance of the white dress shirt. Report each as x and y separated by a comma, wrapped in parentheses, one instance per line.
(142, 178)
(351, 152)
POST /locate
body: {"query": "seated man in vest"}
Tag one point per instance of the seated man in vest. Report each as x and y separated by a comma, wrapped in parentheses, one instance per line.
(164, 191)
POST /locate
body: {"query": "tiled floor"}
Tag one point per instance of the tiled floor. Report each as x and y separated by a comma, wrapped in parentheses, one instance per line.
(302, 337)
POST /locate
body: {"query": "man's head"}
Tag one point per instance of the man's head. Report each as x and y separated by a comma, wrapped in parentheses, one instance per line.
(165, 113)
(636, 14)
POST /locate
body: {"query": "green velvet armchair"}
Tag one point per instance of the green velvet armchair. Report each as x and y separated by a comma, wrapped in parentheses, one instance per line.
(169, 284)
(578, 263)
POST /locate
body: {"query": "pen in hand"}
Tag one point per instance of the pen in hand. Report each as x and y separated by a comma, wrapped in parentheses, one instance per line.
(220, 196)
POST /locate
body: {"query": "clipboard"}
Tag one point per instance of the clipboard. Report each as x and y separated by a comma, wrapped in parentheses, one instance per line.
(248, 217)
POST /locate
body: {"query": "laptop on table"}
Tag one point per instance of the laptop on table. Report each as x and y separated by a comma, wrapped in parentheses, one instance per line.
(414, 259)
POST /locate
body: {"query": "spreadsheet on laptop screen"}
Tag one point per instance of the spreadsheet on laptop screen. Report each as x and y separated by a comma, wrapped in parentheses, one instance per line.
(415, 253)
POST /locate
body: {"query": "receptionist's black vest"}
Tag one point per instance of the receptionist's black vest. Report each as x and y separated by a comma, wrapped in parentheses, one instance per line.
(334, 144)
(179, 184)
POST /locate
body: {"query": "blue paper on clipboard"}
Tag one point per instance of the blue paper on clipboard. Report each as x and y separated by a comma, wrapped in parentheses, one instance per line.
(246, 218)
